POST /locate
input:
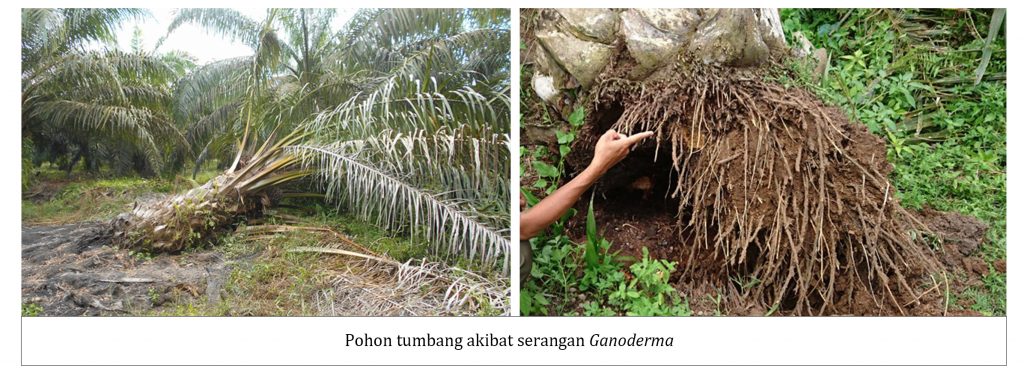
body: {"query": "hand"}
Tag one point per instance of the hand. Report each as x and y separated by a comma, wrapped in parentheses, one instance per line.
(612, 147)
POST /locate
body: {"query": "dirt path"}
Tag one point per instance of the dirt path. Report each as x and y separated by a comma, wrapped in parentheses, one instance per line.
(70, 270)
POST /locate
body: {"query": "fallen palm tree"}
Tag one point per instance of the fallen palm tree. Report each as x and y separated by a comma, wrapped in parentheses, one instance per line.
(379, 133)
(184, 220)
(771, 184)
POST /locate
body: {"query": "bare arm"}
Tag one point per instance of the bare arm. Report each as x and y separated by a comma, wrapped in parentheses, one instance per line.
(611, 148)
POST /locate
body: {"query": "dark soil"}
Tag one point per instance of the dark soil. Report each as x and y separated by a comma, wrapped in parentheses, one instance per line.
(70, 270)
(631, 223)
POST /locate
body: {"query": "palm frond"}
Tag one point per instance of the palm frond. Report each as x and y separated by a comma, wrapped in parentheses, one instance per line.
(461, 167)
(54, 32)
(144, 128)
(449, 228)
(410, 105)
(210, 87)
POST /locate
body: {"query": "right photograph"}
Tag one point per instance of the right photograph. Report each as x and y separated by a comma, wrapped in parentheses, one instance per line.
(763, 162)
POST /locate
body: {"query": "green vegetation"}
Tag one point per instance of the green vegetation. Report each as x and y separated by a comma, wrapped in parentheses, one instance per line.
(82, 198)
(910, 77)
(30, 310)
(424, 123)
(588, 278)
(394, 126)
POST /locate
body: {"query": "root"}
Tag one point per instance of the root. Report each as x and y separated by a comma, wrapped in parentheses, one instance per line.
(776, 186)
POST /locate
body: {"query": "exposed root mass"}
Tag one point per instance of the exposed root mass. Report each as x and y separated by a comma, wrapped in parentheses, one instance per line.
(772, 187)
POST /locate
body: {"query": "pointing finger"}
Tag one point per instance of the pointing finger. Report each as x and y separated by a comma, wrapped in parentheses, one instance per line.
(639, 136)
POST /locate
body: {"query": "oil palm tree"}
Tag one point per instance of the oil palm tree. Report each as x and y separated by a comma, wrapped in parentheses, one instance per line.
(401, 116)
(83, 98)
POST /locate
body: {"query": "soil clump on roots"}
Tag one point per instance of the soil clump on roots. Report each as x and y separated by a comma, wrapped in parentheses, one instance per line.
(764, 195)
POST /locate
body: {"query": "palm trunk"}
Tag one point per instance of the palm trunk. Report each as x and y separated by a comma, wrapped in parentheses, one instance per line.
(185, 220)
(193, 217)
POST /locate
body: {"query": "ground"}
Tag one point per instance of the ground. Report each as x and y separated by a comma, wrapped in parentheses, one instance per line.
(276, 265)
(631, 223)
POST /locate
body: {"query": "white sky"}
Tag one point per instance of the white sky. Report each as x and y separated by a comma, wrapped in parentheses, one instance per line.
(206, 47)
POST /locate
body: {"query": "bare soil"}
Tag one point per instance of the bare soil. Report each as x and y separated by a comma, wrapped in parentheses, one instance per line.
(73, 270)
(70, 270)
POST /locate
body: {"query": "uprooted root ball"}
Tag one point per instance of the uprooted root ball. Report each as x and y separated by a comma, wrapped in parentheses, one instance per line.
(773, 187)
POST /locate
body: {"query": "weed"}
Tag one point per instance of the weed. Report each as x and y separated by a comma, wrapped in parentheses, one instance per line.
(141, 254)
(604, 288)
(31, 310)
(87, 199)
(913, 86)
(154, 296)
(548, 174)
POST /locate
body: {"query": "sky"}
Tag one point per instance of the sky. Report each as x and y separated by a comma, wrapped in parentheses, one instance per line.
(206, 47)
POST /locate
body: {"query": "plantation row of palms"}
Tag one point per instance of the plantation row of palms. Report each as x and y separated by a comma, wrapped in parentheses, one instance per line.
(401, 116)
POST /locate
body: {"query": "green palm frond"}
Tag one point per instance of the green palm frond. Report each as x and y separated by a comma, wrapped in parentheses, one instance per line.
(139, 125)
(447, 55)
(53, 32)
(450, 228)
(91, 68)
(210, 87)
(411, 105)
(461, 167)
(310, 38)
(181, 62)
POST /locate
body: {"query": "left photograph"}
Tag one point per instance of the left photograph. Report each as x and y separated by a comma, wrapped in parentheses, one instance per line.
(265, 162)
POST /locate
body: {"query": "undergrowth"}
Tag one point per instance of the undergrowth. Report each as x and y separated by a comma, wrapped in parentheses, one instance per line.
(56, 199)
(909, 77)
(589, 279)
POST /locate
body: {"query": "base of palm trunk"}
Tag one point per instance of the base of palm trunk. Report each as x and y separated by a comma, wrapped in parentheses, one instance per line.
(182, 221)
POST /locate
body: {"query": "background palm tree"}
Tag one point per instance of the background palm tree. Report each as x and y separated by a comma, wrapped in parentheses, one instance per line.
(83, 99)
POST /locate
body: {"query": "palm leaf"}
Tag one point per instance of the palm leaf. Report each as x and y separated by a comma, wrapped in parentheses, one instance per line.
(448, 227)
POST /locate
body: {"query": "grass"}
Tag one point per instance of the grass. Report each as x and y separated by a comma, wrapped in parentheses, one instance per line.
(268, 280)
(84, 200)
(946, 136)
(55, 197)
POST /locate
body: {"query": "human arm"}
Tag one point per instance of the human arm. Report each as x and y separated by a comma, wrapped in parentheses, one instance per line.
(611, 148)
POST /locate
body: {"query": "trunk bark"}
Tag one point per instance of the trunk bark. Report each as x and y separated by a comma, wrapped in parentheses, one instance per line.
(576, 45)
(185, 220)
